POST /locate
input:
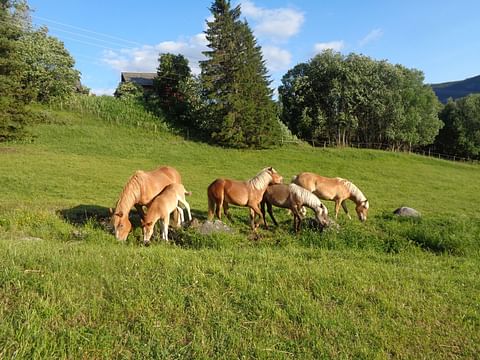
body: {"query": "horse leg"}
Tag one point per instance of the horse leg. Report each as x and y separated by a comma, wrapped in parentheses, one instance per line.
(270, 212)
(254, 209)
(337, 208)
(181, 217)
(186, 205)
(165, 228)
(225, 211)
(344, 206)
(297, 218)
(262, 209)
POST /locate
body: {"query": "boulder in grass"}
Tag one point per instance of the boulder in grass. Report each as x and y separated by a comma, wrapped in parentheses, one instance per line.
(210, 227)
(407, 212)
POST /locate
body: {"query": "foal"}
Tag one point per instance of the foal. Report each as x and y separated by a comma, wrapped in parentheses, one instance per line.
(293, 197)
(161, 207)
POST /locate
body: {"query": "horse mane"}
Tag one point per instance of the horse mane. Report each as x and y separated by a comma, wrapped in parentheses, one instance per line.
(355, 192)
(262, 179)
(132, 189)
(308, 198)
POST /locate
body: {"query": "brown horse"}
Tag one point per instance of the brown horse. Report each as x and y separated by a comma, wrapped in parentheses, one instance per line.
(334, 189)
(140, 189)
(162, 206)
(249, 193)
(293, 197)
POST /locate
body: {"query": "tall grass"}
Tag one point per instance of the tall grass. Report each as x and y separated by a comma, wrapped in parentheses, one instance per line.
(127, 112)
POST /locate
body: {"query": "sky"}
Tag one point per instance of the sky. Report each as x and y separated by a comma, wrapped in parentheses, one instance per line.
(105, 37)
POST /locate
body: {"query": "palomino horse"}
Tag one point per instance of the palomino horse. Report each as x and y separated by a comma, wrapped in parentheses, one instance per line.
(249, 193)
(140, 189)
(293, 197)
(162, 206)
(334, 189)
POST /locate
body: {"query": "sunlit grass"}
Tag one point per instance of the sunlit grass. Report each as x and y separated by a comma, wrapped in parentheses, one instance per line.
(387, 288)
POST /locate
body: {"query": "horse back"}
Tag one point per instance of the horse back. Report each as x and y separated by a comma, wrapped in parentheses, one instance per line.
(163, 204)
(155, 181)
(277, 195)
(324, 187)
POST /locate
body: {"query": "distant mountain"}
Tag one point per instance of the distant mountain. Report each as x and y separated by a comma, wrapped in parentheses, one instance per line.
(457, 89)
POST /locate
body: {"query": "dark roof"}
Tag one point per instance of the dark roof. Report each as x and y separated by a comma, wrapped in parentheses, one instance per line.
(143, 79)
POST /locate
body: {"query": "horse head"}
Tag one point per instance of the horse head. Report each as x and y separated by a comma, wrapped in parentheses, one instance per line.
(321, 214)
(362, 210)
(276, 177)
(121, 225)
(148, 227)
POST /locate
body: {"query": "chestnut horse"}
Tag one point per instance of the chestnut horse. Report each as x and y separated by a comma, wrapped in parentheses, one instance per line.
(140, 189)
(249, 193)
(162, 206)
(334, 189)
(293, 197)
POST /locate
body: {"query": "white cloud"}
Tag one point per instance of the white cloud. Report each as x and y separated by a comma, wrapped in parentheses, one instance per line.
(334, 45)
(277, 24)
(102, 91)
(277, 59)
(373, 35)
(145, 58)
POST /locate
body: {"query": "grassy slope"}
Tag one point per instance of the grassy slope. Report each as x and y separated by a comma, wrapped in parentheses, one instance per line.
(387, 288)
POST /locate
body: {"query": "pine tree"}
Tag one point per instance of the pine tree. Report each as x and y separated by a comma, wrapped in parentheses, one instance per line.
(235, 83)
(13, 114)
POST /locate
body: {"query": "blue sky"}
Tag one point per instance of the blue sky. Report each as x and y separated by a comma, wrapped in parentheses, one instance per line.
(106, 37)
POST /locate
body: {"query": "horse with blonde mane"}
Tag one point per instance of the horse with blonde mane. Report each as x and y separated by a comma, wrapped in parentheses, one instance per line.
(249, 193)
(162, 206)
(140, 190)
(293, 197)
(335, 189)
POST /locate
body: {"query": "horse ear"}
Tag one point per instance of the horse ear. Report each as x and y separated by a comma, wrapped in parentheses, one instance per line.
(110, 210)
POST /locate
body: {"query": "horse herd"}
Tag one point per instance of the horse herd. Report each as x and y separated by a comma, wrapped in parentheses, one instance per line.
(161, 192)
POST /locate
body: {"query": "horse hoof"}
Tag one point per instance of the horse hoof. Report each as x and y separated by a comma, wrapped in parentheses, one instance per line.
(146, 243)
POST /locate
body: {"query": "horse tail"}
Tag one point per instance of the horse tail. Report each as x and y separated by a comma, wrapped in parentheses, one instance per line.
(215, 197)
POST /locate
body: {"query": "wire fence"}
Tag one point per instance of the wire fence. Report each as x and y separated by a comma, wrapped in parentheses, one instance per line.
(387, 147)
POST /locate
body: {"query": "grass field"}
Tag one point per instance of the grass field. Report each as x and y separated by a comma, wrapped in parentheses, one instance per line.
(389, 288)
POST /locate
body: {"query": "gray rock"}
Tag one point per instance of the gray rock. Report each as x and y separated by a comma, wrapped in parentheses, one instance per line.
(210, 227)
(407, 212)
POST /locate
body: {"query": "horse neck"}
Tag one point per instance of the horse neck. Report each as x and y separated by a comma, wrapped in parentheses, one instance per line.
(306, 197)
(356, 195)
(130, 195)
(260, 182)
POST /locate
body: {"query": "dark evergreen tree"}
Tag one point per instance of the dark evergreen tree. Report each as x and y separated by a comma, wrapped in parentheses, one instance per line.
(173, 73)
(235, 83)
(13, 114)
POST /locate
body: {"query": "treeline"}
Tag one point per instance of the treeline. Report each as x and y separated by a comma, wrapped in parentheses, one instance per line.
(34, 67)
(343, 99)
(334, 98)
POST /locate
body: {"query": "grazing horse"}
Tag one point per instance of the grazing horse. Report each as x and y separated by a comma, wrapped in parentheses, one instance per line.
(140, 189)
(162, 206)
(334, 189)
(249, 193)
(293, 197)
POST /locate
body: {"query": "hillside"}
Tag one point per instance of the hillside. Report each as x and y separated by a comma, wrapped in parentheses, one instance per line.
(456, 89)
(385, 288)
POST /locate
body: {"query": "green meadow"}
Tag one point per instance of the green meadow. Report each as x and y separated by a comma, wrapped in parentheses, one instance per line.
(387, 288)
